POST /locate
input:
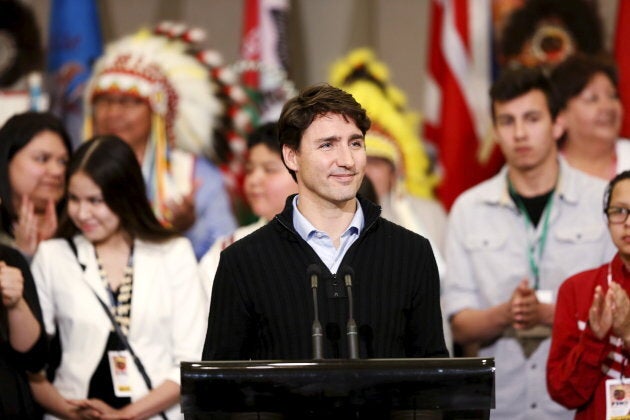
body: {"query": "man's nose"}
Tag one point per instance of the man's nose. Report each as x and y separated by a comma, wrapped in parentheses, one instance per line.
(345, 157)
(519, 130)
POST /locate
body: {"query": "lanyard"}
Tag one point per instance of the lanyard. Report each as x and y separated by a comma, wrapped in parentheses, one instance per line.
(534, 260)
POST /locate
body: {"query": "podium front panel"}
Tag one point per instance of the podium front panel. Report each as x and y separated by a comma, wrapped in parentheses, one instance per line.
(329, 386)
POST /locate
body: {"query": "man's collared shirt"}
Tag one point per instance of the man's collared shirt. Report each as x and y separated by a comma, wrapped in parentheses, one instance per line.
(322, 243)
(486, 252)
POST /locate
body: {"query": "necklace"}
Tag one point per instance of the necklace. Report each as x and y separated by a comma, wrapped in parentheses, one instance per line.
(120, 302)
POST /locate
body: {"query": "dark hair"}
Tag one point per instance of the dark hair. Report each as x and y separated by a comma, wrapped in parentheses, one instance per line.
(611, 186)
(315, 101)
(15, 134)
(112, 165)
(572, 75)
(515, 82)
(266, 134)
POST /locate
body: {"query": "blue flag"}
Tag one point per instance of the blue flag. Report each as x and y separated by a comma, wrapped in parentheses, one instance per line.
(75, 42)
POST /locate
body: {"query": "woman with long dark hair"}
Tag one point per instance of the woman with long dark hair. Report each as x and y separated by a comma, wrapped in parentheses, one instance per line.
(34, 151)
(117, 283)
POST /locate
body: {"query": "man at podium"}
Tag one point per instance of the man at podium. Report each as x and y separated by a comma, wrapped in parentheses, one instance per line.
(327, 277)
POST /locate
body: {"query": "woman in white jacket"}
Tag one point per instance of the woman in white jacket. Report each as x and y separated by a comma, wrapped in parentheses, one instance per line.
(111, 253)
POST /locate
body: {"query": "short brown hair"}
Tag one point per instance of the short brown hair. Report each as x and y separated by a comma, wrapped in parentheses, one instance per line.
(299, 112)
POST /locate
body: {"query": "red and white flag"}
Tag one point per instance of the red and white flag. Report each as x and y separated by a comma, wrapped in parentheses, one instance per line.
(457, 106)
(265, 40)
(622, 55)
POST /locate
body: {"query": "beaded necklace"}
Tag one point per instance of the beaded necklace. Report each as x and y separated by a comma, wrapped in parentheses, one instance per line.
(120, 305)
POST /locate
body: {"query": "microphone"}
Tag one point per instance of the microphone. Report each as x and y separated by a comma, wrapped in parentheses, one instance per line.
(313, 273)
(351, 326)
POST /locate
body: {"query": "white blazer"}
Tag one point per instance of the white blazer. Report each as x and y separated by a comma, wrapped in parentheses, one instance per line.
(168, 322)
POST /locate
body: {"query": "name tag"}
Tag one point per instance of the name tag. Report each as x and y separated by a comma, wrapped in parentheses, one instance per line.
(119, 362)
(618, 399)
(544, 296)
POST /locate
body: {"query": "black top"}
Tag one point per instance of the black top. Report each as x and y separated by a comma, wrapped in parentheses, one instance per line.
(534, 205)
(101, 383)
(262, 306)
(15, 398)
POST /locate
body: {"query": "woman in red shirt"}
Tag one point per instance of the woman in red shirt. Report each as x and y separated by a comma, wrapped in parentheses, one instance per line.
(590, 346)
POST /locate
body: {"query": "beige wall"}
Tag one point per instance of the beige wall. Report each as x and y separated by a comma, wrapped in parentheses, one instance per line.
(321, 31)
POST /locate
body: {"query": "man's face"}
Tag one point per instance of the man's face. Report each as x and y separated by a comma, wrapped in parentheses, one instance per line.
(525, 131)
(123, 115)
(330, 162)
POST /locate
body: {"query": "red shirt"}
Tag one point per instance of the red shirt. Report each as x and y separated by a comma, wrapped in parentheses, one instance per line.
(579, 364)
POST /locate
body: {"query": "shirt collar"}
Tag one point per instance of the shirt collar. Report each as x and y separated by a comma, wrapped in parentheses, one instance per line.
(498, 193)
(306, 230)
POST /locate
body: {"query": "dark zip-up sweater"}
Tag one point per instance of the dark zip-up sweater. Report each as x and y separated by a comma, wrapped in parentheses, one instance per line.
(262, 306)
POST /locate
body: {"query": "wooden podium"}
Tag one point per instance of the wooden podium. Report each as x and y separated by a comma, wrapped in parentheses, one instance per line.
(460, 388)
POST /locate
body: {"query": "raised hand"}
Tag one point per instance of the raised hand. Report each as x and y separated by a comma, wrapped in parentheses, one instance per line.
(25, 228)
(600, 316)
(11, 285)
(620, 311)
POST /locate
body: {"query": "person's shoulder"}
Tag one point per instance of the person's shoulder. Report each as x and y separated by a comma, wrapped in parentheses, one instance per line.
(489, 190)
(586, 279)
(175, 245)
(53, 245)
(11, 256)
(262, 236)
(584, 186)
(397, 232)
(623, 145)
(205, 167)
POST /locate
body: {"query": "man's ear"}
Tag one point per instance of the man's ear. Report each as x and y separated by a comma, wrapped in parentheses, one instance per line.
(559, 125)
(289, 156)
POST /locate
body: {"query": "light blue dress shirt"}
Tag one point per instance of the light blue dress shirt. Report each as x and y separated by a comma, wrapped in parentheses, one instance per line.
(322, 243)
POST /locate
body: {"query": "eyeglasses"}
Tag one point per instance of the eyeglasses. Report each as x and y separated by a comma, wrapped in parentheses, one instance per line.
(617, 215)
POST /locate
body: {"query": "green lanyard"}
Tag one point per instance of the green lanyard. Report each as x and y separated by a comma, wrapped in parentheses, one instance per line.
(534, 263)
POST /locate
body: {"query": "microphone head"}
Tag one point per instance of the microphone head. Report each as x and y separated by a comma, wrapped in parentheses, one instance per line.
(313, 272)
(347, 274)
(313, 269)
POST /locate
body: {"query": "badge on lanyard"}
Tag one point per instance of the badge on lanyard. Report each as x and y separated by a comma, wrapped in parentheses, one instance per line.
(119, 362)
(618, 399)
(544, 295)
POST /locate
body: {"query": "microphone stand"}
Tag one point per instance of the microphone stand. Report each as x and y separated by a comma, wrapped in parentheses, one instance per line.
(351, 326)
(316, 329)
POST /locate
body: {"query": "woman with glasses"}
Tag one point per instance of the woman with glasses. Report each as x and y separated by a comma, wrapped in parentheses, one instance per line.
(590, 346)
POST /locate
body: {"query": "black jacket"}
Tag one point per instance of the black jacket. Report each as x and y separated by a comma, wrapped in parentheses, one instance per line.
(262, 305)
(16, 401)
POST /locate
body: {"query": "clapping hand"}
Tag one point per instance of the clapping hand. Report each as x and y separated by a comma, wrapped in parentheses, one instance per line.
(11, 285)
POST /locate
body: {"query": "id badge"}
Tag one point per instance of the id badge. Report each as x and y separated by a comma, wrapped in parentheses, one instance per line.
(119, 364)
(618, 399)
(544, 296)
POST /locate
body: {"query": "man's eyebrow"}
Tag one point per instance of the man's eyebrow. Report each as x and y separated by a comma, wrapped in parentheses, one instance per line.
(338, 138)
